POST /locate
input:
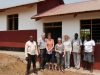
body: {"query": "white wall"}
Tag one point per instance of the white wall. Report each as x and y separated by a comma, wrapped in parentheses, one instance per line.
(70, 25)
(25, 21)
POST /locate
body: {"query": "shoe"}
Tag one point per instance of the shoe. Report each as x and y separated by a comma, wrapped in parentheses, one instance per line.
(35, 71)
(68, 67)
(27, 73)
(77, 68)
(63, 71)
(59, 71)
(52, 69)
(42, 70)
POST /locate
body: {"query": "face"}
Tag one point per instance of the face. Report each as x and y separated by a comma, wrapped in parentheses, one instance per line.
(31, 38)
(43, 36)
(76, 36)
(59, 41)
(87, 38)
(49, 36)
(66, 37)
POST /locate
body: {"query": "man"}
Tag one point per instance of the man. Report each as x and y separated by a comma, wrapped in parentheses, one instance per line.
(42, 51)
(30, 54)
(76, 46)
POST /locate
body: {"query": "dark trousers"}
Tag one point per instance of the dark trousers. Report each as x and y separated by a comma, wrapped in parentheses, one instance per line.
(42, 58)
(31, 58)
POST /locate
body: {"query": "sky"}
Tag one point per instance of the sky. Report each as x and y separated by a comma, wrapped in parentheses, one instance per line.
(72, 1)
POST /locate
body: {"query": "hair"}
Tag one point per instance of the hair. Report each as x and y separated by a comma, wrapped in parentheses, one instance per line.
(66, 35)
(43, 33)
(59, 38)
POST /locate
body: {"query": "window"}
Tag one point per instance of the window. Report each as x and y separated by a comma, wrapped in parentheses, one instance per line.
(12, 22)
(53, 24)
(91, 27)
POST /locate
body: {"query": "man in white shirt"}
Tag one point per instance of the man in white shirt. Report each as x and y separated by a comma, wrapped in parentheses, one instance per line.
(76, 46)
(30, 54)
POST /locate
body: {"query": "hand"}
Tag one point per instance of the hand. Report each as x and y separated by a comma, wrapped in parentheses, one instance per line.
(60, 52)
(26, 58)
(83, 52)
(93, 53)
(63, 55)
(48, 52)
(79, 52)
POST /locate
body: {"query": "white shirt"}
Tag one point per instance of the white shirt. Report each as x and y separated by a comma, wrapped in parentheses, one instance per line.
(88, 45)
(31, 48)
(76, 43)
(67, 45)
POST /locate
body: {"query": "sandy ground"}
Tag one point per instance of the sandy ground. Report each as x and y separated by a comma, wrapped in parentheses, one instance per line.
(10, 65)
(13, 63)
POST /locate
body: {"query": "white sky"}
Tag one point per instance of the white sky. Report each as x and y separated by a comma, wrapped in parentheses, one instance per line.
(72, 1)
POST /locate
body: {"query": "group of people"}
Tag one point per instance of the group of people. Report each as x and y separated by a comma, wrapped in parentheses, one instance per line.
(48, 52)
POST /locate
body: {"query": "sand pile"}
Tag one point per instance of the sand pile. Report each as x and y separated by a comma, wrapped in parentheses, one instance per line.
(10, 65)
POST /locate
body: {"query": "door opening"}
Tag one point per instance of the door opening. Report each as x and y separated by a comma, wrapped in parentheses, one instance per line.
(54, 28)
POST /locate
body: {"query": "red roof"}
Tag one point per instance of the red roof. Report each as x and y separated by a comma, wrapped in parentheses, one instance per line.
(79, 7)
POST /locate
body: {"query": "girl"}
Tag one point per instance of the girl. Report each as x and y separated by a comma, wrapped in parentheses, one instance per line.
(49, 48)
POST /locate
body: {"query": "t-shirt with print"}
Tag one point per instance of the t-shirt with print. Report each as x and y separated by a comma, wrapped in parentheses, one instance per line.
(76, 43)
(60, 48)
(88, 45)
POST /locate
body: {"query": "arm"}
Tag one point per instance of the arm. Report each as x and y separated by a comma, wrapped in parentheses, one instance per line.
(52, 45)
(46, 45)
(93, 44)
(80, 46)
(39, 43)
(36, 51)
(70, 47)
(26, 47)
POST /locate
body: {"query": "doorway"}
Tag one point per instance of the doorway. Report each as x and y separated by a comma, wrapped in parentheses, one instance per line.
(54, 28)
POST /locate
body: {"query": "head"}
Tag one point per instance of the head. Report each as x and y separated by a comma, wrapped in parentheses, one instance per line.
(66, 37)
(76, 35)
(49, 35)
(59, 40)
(31, 38)
(43, 35)
(88, 37)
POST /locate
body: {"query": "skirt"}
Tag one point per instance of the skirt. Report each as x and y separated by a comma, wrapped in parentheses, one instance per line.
(88, 57)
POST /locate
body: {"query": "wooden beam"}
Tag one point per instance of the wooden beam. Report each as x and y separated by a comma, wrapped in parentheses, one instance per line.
(75, 15)
(2, 10)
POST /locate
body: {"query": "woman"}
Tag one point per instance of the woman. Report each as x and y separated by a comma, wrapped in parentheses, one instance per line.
(68, 48)
(89, 46)
(49, 48)
(60, 54)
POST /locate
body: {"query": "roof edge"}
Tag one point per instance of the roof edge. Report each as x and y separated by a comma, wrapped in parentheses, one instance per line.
(22, 5)
(34, 17)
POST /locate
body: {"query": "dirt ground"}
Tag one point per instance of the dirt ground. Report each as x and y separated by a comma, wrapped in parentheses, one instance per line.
(10, 65)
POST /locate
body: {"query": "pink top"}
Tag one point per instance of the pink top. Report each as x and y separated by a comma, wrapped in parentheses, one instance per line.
(49, 44)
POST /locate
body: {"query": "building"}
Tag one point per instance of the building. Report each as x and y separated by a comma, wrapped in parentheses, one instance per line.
(52, 16)
(16, 24)
(81, 17)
